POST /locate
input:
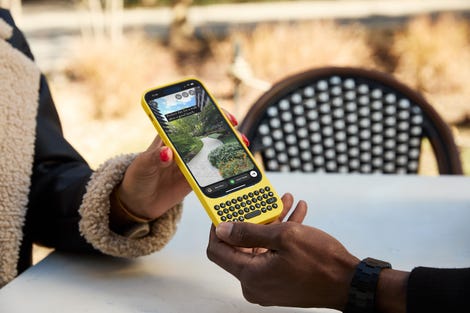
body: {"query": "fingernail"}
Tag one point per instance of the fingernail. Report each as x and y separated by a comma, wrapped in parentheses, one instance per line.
(165, 154)
(223, 230)
(245, 140)
(232, 119)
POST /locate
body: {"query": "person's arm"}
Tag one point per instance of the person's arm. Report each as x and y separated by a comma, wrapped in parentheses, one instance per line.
(69, 204)
(58, 182)
(391, 291)
(438, 290)
(305, 267)
(59, 173)
(65, 193)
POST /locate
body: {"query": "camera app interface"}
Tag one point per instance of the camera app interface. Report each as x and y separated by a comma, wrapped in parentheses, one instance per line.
(204, 141)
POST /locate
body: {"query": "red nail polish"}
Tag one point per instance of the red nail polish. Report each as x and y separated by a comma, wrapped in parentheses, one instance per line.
(232, 119)
(165, 154)
(245, 140)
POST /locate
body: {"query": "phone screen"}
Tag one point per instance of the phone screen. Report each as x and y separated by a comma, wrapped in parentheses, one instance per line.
(202, 137)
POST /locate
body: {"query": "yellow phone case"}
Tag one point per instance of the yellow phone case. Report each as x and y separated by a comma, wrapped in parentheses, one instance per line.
(258, 203)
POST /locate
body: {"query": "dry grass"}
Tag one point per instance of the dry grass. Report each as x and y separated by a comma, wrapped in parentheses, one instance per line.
(433, 56)
(283, 49)
(105, 81)
(114, 74)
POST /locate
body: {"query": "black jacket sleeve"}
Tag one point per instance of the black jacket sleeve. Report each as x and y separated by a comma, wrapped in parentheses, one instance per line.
(59, 176)
(58, 182)
(438, 290)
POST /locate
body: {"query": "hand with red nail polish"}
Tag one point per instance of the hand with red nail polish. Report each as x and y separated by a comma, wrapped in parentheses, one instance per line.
(153, 183)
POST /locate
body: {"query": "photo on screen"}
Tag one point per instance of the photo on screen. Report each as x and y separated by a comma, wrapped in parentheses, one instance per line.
(201, 136)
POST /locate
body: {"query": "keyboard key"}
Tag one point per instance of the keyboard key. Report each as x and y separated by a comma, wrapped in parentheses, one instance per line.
(252, 214)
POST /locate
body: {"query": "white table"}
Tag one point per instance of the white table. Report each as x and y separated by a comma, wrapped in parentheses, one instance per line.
(407, 220)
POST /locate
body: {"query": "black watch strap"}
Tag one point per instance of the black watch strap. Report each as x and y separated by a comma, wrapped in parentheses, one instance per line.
(363, 286)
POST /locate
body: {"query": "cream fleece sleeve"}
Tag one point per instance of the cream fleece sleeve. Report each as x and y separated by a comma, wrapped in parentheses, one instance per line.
(94, 212)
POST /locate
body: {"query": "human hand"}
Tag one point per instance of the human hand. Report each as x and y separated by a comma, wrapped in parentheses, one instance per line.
(302, 266)
(153, 183)
(296, 216)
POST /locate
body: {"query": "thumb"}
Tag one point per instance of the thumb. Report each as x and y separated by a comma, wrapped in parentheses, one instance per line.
(156, 156)
(166, 156)
(249, 235)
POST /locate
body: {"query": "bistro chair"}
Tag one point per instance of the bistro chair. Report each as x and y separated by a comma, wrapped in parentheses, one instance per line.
(347, 120)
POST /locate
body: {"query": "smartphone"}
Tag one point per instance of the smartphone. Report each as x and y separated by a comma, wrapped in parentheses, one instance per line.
(209, 152)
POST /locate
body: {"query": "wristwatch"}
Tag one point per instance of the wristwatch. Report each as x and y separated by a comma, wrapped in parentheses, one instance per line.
(363, 286)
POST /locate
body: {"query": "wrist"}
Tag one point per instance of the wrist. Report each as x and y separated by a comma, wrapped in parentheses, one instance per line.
(364, 284)
(346, 283)
(391, 291)
(124, 208)
(123, 221)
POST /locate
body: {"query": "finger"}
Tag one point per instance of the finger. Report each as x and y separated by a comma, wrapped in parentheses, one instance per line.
(155, 157)
(246, 141)
(230, 117)
(287, 201)
(234, 122)
(227, 257)
(299, 213)
(249, 235)
(166, 156)
(155, 145)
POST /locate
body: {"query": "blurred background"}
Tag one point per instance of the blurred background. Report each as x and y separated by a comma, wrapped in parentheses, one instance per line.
(100, 56)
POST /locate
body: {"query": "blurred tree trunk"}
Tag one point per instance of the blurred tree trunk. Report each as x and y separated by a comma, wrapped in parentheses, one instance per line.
(181, 30)
(188, 47)
(114, 15)
(105, 19)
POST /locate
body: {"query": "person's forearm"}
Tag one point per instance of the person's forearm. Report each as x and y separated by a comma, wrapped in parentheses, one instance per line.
(438, 290)
(391, 291)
